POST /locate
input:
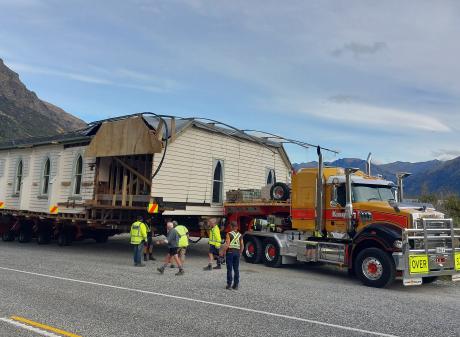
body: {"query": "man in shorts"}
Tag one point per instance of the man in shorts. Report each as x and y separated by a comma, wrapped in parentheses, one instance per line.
(172, 241)
(214, 245)
(183, 233)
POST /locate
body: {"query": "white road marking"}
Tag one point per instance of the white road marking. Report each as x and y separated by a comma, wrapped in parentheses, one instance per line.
(266, 313)
(27, 327)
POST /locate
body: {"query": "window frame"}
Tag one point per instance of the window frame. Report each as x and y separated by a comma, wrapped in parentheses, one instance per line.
(43, 177)
(269, 170)
(17, 188)
(215, 162)
(74, 175)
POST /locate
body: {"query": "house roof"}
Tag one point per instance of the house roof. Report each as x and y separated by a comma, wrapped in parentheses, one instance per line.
(181, 124)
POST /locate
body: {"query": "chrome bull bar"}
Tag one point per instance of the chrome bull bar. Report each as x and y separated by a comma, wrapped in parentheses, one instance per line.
(430, 249)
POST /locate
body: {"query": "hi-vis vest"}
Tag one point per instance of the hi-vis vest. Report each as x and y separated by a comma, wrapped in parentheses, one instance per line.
(183, 239)
(234, 240)
(138, 232)
(214, 236)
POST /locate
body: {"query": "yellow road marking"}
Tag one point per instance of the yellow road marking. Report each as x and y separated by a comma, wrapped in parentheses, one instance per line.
(43, 326)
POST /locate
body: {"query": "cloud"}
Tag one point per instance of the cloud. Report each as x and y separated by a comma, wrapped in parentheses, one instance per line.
(359, 49)
(117, 79)
(361, 115)
(444, 154)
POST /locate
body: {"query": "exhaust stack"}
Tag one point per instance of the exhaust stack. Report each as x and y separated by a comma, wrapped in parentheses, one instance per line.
(368, 164)
(401, 176)
(349, 205)
(319, 192)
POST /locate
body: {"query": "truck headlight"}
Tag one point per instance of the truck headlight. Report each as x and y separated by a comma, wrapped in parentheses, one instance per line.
(397, 244)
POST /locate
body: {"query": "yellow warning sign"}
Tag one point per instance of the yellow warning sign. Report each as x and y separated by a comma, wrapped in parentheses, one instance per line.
(2, 204)
(457, 261)
(418, 264)
(153, 208)
(54, 209)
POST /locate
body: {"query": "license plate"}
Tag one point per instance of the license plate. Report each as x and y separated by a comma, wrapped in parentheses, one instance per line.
(440, 250)
(412, 281)
(440, 259)
(418, 264)
(457, 261)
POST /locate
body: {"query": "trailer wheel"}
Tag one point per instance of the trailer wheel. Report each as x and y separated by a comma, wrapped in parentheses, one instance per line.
(25, 235)
(101, 238)
(252, 249)
(271, 253)
(375, 268)
(279, 192)
(8, 236)
(64, 239)
(43, 238)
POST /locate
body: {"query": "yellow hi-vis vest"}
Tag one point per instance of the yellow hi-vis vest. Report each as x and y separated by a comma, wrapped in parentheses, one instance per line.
(183, 239)
(214, 237)
(234, 240)
(138, 232)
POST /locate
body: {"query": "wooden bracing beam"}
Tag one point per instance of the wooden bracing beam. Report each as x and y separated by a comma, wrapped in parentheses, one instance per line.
(136, 173)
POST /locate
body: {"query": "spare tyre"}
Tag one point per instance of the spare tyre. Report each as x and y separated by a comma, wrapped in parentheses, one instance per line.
(280, 192)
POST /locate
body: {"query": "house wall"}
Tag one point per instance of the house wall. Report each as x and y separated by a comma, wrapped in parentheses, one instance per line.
(61, 179)
(186, 174)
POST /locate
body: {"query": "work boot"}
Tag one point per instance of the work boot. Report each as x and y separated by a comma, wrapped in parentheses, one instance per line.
(145, 257)
(180, 272)
(208, 267)
(151, 257)
(161, 270)
(228, 287)
(235, 287)
(217, 267)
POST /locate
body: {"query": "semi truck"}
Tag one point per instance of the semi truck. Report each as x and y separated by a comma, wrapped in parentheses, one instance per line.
(349, 218)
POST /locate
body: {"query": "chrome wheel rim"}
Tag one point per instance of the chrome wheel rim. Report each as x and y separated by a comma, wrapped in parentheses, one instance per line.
(372, 268)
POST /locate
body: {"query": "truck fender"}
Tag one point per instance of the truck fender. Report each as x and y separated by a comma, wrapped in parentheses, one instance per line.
(380, 235)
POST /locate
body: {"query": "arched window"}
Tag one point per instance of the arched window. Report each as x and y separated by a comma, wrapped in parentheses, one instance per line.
(217, 181)
(77, 175)
(271, 176)
(18, 177)
(46, 177)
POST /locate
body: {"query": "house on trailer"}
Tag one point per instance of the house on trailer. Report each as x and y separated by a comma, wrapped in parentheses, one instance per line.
(102, 175)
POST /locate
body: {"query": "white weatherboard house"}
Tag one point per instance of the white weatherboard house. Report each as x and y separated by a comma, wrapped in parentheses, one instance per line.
(104, 170)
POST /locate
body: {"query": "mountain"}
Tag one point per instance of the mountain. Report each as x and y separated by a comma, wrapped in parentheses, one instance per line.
(432, 176)
(23, 114)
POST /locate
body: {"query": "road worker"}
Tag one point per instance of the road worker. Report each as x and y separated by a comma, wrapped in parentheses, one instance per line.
(172, 241)
(215, 242)
(138, 238)
(183, 233)
(148, 245)
(233, 248)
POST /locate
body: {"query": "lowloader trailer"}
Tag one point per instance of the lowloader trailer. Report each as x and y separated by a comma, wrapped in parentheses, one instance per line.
(347, 218)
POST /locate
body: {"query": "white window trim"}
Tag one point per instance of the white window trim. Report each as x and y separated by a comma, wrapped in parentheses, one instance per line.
(42, 177)
(214, 164)
(16, 191)
(74, 174)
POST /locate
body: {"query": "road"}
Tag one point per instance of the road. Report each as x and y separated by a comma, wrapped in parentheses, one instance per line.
(90, 289)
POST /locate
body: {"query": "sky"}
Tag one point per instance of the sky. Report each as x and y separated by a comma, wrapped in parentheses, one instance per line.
(355, 76)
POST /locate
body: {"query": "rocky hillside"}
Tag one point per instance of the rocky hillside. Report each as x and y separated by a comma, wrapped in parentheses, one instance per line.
(434, 176)
(23, 114)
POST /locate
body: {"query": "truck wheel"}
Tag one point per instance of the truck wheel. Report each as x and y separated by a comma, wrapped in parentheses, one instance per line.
(271, 253)
(63, 239)
(252, 249)
(25, 235)
(375, 268)
(430, 279)
(279, 192)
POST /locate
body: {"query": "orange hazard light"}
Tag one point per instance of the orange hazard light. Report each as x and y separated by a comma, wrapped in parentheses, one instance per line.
(54, 209)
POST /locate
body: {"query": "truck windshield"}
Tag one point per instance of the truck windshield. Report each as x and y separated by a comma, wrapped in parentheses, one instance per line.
(363, 193)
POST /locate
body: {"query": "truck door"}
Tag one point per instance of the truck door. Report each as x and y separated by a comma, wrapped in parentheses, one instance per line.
(335, 209)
